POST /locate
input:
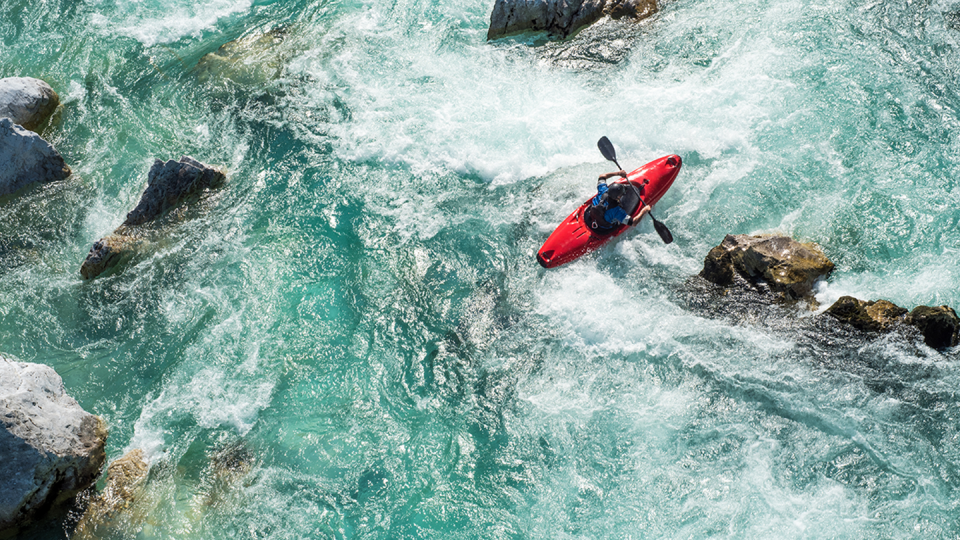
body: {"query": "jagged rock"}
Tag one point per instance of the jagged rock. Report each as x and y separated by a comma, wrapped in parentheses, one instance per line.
(25, 159)
(104, 515)
(169, 184)
(789, 268)
(878, 316)
(28, 102)
(560, 17)
(939, 325)
(108, 252)
(51, 448)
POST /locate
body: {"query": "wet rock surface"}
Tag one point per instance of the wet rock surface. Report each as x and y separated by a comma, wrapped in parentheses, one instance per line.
(872, 316)
(25, 159)
(170, 184)
(108, 511)
(781, 264)
(560, 18)
(51, 448)
(939, 325)
(27, 101)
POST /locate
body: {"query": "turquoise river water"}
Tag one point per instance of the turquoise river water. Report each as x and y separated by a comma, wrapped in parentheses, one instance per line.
(352, 338)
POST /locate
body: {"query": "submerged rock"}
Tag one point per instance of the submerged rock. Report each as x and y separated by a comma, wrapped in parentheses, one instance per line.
(27, 101)
(878, 316)
(560, 17)
(25, 159)
(51, 448)
(107, 512)
(252, 60)
(789, 268)
(169, 184)
(939, 325)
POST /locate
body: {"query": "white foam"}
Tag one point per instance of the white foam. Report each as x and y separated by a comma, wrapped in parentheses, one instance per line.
(152, 22)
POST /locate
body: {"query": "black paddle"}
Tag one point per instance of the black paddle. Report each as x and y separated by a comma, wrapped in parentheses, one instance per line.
(606, 148)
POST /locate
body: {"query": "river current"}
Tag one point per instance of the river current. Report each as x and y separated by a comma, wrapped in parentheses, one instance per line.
(352, 337)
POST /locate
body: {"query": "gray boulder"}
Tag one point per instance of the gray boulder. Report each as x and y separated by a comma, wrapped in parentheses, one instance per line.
(560, 17)
(787, 267)
(26, 159)
(51, 448)
(28, 102)
(169, 184)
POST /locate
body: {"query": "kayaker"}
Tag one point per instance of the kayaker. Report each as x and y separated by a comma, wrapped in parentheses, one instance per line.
(605, 211)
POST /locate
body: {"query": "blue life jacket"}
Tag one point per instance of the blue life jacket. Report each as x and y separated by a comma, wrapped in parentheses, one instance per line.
(603, 214)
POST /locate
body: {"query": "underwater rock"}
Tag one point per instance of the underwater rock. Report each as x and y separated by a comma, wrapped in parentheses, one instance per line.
(249, 61)
(104, 515)
(871, 316)
(169, 184)
(25, 158)
(560, 17)
(789, 268)
(940, 325)
(28, 102)
(51, 448)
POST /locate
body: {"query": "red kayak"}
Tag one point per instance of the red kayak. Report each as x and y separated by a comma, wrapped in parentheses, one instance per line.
(574, 238)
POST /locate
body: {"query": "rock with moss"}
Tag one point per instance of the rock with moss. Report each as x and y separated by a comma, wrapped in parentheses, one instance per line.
(870, 316)
(786, 267)
(26, 159)
(560, 17)
(27, 101)
(109, 511)
(939, 325)
(169, 185)
(51, 448)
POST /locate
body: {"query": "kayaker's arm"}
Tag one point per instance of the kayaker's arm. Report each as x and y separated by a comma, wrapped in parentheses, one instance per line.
(643, 211)
(604, 176)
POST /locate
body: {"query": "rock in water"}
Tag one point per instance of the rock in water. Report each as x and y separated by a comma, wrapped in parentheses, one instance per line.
(107, 512)
(169, 184)
(939, 325)
(28, 102)
(788, 267)
(251, 61)
(878, 316)
(560, 17)
(51, 448)
(106, 253)
(25, 159)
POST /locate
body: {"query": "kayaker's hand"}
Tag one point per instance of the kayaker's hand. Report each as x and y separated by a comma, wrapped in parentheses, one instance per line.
(622, 173)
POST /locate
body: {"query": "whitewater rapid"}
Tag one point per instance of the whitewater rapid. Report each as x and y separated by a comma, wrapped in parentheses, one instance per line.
(352, 338)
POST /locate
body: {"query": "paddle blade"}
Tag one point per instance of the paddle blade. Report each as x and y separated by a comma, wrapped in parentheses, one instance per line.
(606, 148)
(663, 231)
